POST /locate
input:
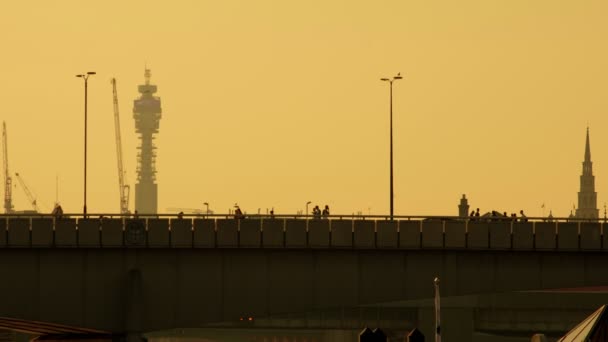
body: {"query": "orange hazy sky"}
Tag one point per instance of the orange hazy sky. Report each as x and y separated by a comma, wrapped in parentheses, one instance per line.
(275, 103)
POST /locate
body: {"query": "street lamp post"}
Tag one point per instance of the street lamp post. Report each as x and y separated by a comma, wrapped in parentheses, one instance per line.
(390, 81)
(85, 77)
(207, 205)
(307, 203)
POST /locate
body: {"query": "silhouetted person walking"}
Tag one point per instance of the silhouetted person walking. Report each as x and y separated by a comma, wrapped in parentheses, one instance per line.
(238, 214)
(523, 216)
(316, 212)
(57, 212)
(326, 212)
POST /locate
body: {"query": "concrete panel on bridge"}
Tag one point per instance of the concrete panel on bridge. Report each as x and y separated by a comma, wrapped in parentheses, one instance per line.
(65, 233)
(42, 232)
(273, 234)
(61, 287)
(318, 233)
(591, 236)
(157, 306)
(291, 274)
(135, 233)
(3, 232)
(204, 233)
(158, 233)
(409, 234)
(181, 233)
(421, 267)
(478, 236)
(250, 300)
(364, 233)
(342, 233)
(455, 234)
(597, 262)
(567, 236)
(199, 296)
(387, 235)
(432, 234)
(112, 232)
(500, 235)
(88, 233)
(295, 233)
(553, 266)
(20, 282)
(544, 235)
(381, 276)
(334, 274)
(101, 291)
(604, 237)
(523, 235)
(227, 232)
(19, 232)
(520, 270)
(250, 233)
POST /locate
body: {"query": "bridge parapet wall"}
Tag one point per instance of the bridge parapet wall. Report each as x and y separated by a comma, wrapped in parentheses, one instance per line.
(181, 234)
(455, 234)
(522, 235)
(364, 234)
(409, 235)
(204, 233)
(301, 233)
(590, 236)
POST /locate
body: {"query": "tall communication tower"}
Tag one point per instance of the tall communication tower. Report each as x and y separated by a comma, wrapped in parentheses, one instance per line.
(147, 114)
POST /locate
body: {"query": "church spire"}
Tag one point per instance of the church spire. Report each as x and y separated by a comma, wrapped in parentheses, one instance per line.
(587, 197)
(587, 148)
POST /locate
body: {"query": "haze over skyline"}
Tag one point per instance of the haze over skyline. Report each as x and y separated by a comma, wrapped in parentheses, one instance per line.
(273, 104)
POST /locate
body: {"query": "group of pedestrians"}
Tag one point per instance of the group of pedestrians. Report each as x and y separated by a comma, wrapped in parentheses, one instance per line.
(496, 216)
(318, 214)
(238, 214)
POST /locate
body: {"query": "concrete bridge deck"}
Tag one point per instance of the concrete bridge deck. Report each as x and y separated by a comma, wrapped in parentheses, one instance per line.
(46, 232)
(134, 276)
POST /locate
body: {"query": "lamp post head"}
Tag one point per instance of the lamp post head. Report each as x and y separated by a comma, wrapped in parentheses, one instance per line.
(91, 73)
(385, 79)
(80, 75)
(308, 202)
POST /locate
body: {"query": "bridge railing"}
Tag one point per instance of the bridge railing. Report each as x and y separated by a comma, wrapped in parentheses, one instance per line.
(336, 232)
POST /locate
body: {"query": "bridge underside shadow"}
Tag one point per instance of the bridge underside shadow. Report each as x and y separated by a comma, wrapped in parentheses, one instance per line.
(130, 291)
(514, 316)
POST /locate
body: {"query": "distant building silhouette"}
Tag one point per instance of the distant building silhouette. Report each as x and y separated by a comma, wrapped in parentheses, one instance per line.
(587, 197)
(147, 114)
(463, 207)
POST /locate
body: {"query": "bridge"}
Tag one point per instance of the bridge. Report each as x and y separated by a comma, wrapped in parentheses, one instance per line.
(124, 275)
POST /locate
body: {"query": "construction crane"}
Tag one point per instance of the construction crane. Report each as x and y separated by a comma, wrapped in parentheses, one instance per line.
(28, 193)
(8, 181)
(123, 188)
(188, 211)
